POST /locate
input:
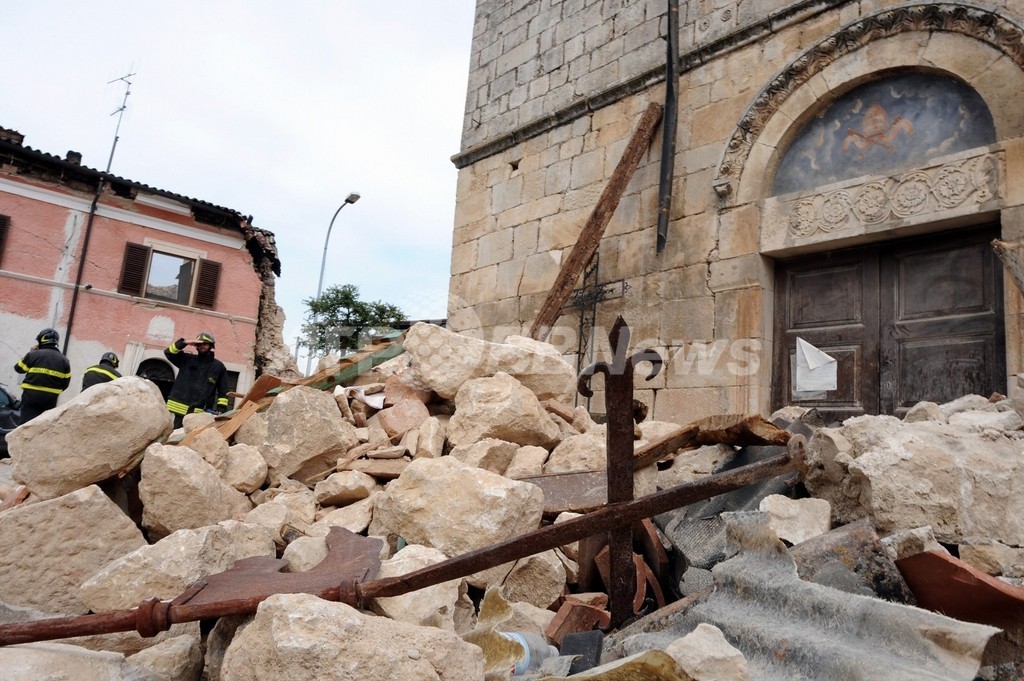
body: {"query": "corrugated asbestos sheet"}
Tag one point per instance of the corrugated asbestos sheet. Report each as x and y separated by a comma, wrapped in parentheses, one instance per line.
(789, 629)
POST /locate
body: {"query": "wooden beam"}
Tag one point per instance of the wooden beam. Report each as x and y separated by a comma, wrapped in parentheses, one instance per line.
(590, 236)
(1010, 254)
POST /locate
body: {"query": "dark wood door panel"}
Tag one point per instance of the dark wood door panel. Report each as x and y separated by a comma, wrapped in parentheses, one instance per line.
(942, 336)
(830, 301)
(913, 320)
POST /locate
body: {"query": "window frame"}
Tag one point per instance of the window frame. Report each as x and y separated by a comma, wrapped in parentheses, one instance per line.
(136, 267)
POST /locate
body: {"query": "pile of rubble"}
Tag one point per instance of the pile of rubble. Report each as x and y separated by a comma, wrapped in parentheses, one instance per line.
(838, 572)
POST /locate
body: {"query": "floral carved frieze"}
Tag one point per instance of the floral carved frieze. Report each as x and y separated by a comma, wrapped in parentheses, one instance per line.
(983, 24)
(968, 182)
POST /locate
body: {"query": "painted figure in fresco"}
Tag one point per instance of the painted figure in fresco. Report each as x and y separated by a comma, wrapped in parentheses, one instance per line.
(877, 131)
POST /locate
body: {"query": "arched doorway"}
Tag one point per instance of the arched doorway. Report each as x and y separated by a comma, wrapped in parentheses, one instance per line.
(159, 372)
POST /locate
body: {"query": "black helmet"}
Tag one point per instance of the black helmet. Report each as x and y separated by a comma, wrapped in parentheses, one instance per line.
(47, 337)
(110, 358)
(204, 337)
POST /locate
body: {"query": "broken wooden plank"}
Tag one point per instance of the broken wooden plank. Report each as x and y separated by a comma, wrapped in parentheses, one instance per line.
(590, 236)
(348, 368)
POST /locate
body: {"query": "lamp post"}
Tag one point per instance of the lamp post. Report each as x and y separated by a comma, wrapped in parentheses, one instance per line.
(351, 198)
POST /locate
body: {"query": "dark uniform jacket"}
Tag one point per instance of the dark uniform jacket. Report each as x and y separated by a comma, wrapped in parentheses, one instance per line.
(201, 382)
(99, 373)
(47, 372)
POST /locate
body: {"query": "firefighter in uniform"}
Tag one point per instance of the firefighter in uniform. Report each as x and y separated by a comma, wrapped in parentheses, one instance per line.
(47, 374)
(103, 372)
(201, 383)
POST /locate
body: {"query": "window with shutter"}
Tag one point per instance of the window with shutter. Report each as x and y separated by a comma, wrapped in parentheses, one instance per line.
(206, 283)
(5, 221)
(133, 270)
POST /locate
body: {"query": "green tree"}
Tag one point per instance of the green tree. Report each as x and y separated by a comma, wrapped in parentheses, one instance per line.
(338, 321)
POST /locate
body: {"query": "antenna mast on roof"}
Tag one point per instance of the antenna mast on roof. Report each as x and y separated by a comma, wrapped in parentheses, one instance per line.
(120, 114)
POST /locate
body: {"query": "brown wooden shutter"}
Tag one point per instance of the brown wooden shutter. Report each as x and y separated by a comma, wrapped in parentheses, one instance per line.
(133, 270)
(206, 283)
(5, 221)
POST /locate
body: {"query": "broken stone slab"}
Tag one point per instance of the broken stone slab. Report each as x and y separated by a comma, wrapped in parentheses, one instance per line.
(527, 461)
(447, 505)
(705, 654)
(345, 487)
(35, 661)
(173, 478)
(52, 546)
(858, 550)
(489, 453)
(797, 520)
(303, 638)
(430, 443)
(90, 438)
(538, 580)
(962, 483)
(500, 407)
(978, 420)
(404, 416)
(434, 604)
(762, 606)
(278, 519)
(355, 517)
(165, 569)
(175, 659)
(443, 361)
(925, 411)
(993, 558)
(305, 553)
(305, 432)
(246, 470)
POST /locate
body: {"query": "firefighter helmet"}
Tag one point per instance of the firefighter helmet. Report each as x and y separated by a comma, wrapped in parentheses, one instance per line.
(110, 358)
(47, 337)
(207, 338)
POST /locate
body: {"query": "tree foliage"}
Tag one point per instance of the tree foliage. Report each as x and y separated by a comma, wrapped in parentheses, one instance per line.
(338, 321)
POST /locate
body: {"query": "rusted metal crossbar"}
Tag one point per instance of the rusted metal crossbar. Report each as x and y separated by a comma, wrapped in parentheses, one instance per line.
(347, 573)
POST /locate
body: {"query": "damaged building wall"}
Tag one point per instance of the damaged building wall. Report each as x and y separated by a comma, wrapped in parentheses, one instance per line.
(768, 211)
(158, 266)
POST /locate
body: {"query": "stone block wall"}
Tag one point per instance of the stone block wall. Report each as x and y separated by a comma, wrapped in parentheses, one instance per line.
(535, 161)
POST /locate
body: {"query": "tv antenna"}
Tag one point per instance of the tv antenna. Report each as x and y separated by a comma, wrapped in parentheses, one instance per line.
(120, 114)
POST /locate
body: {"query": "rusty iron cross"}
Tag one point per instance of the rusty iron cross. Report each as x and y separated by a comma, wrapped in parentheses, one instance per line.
(618, 400)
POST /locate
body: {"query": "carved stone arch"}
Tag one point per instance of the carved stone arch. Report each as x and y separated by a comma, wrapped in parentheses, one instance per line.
(810, 78)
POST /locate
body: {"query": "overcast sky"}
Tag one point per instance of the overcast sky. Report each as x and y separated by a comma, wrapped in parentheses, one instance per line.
(275, 109)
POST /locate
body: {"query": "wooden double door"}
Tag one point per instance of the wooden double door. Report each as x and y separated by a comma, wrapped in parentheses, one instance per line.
(918, 319)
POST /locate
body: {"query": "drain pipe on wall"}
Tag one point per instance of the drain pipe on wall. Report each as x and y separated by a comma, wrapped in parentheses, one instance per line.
(92, 209)
(668, 139)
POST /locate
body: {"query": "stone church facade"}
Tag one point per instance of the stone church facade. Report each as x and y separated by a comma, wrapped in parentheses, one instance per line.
(840, 171)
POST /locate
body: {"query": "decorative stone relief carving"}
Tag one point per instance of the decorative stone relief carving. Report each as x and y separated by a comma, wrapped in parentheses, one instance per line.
(920, 192)
(985, 25)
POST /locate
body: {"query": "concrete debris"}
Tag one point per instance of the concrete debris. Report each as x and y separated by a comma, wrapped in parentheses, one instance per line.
(433, 452)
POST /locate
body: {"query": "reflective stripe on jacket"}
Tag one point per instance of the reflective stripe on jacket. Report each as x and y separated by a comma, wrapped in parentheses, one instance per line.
(46, 370)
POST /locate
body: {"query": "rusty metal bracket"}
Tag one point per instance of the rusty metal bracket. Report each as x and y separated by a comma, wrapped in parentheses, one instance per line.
(618, 400)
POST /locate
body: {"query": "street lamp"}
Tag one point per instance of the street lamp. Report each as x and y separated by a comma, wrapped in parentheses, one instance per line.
(351, 198)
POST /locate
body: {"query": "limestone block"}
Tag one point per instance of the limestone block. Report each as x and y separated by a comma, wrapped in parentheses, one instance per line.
(305, 553)
(35, 661)
(212, 446)
(444, 504)
(246, 470)
(978, 420)
(490, 454)
(176, 659)
(925, 411)
(994, 558)
(303, 638)
(345, 487)
(444, 360)
(430, 443)
(276, 518)
(302, 503)
(583, 452)
(253, 432)
(165, 569)
(304, 427)
(527, 461)
(705, 654)
(90, 438)
(693, 465)
(173, 478)
(406, 415)
(51, 547)
(500, 407)
(797, 520)
(197, 420)
(538, 580)
(434, 604)
(355, 517)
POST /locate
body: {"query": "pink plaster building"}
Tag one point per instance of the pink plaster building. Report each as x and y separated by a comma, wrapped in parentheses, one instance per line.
(116, 265)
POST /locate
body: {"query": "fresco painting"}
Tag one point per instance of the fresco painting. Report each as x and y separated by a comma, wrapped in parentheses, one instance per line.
(888, 125)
